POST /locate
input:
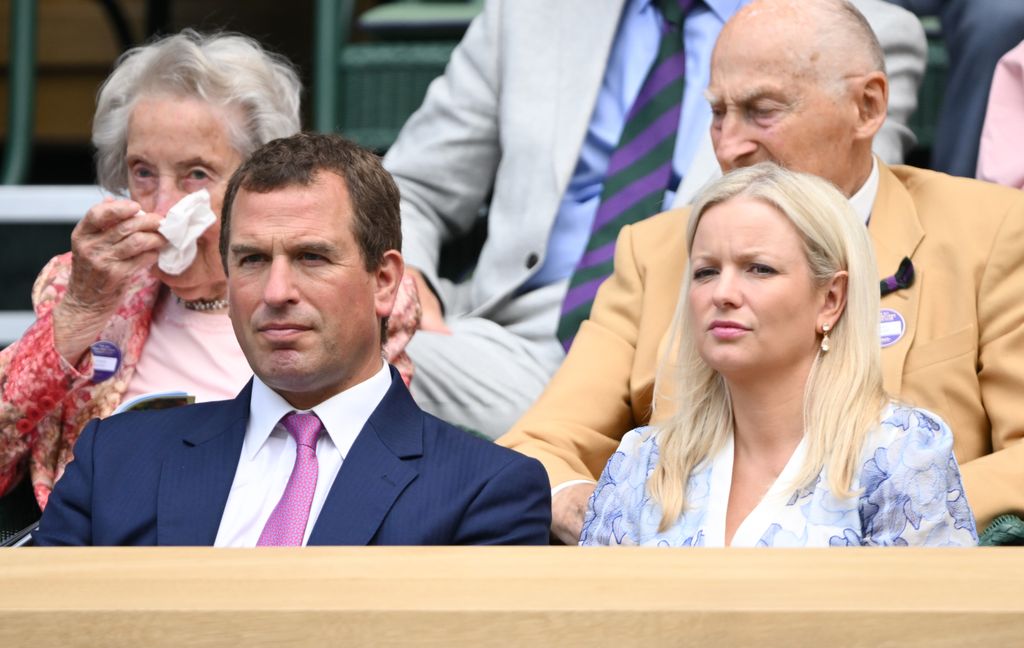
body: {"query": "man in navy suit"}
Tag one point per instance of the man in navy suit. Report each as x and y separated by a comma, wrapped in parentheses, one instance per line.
(325, 444)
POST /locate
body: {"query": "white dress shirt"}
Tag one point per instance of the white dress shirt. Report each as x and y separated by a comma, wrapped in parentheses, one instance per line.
(268, 455)
(864, 200)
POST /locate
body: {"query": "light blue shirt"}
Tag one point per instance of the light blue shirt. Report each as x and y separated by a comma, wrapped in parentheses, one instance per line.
(632, 54)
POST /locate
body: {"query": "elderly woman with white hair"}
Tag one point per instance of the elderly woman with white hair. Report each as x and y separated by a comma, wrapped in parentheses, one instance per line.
(781, 433)
(173, 121)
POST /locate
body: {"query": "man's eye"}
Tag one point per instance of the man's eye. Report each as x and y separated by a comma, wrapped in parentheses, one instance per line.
(763, 113)
(251, 259)
(311, 257)
(198, 174)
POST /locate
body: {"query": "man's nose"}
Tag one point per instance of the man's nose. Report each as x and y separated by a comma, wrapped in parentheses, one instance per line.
(732, 141)
(279, 288)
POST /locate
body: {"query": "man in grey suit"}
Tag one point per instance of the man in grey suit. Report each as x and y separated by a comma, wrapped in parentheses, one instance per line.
(526, 117)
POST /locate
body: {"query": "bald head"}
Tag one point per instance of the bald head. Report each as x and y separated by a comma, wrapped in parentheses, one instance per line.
(824, 39)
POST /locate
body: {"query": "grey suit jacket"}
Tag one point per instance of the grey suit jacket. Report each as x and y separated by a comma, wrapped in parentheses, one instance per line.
(507, 121)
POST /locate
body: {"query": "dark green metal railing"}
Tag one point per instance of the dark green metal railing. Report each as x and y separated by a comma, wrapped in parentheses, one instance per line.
(21, 91)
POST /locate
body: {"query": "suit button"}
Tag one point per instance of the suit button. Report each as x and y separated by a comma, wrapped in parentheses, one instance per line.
(532, 260)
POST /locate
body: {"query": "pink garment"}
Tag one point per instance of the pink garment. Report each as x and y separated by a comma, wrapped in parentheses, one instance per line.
(207, 360)
(287, 524)
(1000, 157)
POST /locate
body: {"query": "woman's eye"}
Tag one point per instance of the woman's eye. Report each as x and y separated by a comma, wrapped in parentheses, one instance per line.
(198, 174)
(142, 173)
(703, 273)
(761, 269)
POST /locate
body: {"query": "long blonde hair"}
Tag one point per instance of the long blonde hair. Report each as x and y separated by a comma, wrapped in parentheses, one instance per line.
(843, 397)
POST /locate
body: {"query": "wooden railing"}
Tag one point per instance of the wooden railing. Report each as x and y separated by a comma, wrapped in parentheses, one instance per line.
(556, 596)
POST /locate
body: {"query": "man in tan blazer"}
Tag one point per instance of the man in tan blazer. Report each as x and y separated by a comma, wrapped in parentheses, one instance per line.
(952, 342)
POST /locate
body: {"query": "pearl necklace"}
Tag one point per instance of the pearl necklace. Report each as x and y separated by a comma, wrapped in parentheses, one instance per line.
(203, 304)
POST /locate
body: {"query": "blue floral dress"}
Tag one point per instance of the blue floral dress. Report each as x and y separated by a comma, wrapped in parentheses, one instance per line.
(909, 494)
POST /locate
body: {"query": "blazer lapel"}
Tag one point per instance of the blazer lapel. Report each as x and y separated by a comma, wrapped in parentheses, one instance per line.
(585, 42)
(196, 478)
(896, 232)
(374, 473)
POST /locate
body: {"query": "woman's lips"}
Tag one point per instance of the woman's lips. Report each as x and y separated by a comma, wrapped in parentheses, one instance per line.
(727, 330)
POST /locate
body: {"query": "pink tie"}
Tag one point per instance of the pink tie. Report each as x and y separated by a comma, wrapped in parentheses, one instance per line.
(287, 524)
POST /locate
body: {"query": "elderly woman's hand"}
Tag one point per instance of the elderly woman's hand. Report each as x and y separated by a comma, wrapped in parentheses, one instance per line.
(402, 325)
(112, 243)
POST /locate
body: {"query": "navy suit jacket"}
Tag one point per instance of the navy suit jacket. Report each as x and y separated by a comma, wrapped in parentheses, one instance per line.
(163, 477)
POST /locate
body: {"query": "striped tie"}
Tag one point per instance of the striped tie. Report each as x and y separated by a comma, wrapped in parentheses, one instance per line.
(639, 170)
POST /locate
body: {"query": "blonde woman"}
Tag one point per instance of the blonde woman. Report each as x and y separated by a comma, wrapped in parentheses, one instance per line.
(781, 433)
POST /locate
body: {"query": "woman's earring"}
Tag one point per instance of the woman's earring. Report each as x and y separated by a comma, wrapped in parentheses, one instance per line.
(825, 328)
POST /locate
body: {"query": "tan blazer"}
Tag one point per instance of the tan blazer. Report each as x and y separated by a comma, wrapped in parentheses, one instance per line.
(961, 354)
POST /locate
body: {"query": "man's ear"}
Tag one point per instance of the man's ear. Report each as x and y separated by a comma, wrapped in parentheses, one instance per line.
(388, 277)
(871, 92)
(835, 298)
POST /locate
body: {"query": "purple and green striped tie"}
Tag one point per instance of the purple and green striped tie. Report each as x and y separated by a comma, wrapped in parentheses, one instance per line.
(639, 170)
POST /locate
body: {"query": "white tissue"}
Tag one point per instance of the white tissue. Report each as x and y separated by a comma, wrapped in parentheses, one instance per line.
(184, 224)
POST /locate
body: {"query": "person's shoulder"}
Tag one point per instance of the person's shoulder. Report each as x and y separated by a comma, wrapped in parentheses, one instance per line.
(919, 181)
(470, 448)
(638, 450)
(911, 427)
(660, 235)
(641, 440)
(659, 226)
(174, 421)
(891, 22)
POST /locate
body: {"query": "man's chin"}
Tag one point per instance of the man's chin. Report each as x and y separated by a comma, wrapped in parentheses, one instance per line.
(300, 389)
(287, 381)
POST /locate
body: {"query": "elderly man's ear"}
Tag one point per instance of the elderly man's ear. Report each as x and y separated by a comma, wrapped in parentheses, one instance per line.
(871, 93)
(388, 278)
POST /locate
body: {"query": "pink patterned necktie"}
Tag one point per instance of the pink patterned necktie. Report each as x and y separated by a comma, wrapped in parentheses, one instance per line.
(287, 524)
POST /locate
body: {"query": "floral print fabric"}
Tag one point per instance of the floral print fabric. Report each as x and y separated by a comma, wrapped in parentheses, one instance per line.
(44, 401)
(908, 493)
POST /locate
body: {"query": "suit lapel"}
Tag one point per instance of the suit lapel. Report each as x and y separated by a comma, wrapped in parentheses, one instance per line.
(196, 478)
(896, 232)
(374, 473)
(584, 44)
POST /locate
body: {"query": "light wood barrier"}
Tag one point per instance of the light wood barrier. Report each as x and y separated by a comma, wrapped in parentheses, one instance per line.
(557, 596)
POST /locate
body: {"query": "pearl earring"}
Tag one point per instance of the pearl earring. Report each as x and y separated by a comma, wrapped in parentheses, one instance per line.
(825, 328)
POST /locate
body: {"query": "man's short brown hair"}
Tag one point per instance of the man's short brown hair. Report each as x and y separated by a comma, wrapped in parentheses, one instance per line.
(296, 161)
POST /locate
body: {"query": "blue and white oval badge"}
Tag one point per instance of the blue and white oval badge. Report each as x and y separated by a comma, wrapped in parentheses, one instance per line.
(106, 359)
(891, 327)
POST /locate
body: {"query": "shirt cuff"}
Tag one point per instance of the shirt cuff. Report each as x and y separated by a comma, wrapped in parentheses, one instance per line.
(572, 482)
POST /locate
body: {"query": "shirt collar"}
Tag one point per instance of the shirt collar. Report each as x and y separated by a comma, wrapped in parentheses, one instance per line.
(864, 200)
(724, 9)
(343, 415)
